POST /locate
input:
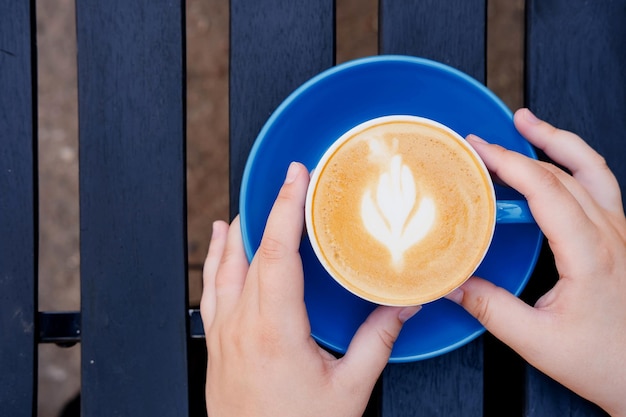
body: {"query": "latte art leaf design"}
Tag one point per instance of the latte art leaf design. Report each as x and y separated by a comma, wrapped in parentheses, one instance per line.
(394, 216)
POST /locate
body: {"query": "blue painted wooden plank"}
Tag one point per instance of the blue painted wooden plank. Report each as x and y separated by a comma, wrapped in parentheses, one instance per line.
(575, 66)
(274, 47)
(18, 209)
(448, 385)
(545, 397)
(576, 60)
(452, 32)
(131, 70)
(448, 31)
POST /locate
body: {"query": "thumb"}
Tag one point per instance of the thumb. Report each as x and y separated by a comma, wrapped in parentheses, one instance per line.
(504, 315)
(371, 346)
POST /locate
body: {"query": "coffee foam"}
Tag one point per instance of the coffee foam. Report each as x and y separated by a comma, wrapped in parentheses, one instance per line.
(397, 216)
(401, 217)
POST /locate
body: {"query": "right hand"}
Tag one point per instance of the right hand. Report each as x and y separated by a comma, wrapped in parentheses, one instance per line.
(576, 332)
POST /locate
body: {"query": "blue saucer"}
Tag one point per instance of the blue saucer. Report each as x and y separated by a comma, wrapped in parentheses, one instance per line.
(326, 106)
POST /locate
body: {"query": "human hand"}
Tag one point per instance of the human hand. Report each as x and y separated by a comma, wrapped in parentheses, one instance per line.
(576, 332)
(262, 360)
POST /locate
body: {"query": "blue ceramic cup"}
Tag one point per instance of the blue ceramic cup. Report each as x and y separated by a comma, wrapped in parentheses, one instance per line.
(401, 210)
(306, 124)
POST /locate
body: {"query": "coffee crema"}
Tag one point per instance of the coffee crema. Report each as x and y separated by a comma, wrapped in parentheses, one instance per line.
(402, 211)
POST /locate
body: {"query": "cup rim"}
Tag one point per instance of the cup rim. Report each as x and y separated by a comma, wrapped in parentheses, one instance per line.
(340, 141)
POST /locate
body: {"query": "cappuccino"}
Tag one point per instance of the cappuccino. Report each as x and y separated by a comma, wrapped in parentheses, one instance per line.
(400, 210)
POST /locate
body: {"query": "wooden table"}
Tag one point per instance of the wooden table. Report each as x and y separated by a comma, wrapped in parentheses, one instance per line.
(131, 66)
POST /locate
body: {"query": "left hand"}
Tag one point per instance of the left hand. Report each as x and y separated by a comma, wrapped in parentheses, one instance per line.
(262, 360)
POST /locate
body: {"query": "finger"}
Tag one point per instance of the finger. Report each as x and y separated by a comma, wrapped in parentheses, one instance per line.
(559, 214)
(231, 272)
(592, 209)
(572, 152)
(507, 317)
(277, 263)
(372, 344)
(209, 271)
(586, 201)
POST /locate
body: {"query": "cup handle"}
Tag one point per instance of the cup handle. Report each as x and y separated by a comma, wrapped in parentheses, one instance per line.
(513, 211)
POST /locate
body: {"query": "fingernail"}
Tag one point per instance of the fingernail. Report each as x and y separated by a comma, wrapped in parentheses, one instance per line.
(407, 312)
(475, 139)
(456, 296)
(292, 173)
(215, 231)
(530, 117)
